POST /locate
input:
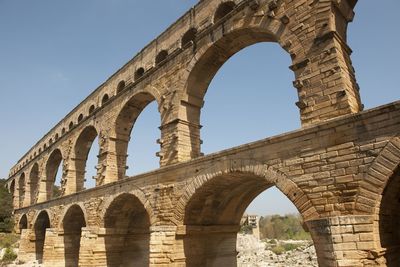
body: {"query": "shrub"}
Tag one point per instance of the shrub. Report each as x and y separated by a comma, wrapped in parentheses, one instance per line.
(278, 250)
(289, 247)
(9, 256)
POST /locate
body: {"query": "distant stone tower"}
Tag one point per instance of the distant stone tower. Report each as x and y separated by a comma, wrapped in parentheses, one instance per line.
(254, 222)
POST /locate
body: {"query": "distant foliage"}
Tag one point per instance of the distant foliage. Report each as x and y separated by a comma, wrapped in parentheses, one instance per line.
(283, 227)
(6, 221)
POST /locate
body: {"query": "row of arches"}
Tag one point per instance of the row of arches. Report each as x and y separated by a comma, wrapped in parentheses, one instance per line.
(66, 172)
(187, 39)
(212, 213)
(123, 123)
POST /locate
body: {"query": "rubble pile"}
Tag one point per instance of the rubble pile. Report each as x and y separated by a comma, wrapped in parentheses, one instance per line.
(255, 253)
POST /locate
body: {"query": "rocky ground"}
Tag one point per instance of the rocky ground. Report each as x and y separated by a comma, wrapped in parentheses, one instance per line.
(256, 253)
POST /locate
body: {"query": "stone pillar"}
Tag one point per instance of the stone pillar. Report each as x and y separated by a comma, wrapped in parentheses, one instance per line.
(27, 196)
(180, 141)
(42, 194)
(27, 248)
(325, 77)
(16, 197)
(209, 245)
(115, 159)
(92, 250)
(164, 249)
(113, 247)
(345, 241)
(53, 252)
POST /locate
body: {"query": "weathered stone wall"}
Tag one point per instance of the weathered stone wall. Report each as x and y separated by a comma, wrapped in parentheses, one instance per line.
(340, 170)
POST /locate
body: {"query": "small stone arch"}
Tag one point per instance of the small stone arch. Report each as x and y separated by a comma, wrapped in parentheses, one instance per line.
(80, 117)
(222, 10)
(139, 73)
(120, 86)
(91, 109)
(188, 37)
(105, 99)
(161, 56)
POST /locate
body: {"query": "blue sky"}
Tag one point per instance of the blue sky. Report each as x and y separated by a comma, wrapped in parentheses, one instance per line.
(53, 53)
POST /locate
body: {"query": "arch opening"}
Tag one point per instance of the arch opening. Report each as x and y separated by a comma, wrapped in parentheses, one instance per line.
(41, 224)
(161, 56)
(12, 192)
(223, 10)
(213, 217)
(23, 223)
(105, 99)
(34, 183)
(139, 73)
(134, 126)
(389, 221)
(54, 175)
(21, 189)
(188, 37)
(85, 146)
(127, 236)
(91, 109)
(73, 222)
(120, 86)
(80, 118)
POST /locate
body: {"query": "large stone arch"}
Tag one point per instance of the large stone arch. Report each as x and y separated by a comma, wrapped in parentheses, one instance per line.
(41, 223)
(34, 182)
(377, 177)
(127, 232)
(214, 201)
(252, 168)
(12, 192)
(23, 223)
(124, 123)
(70, 207)
(82, 145)
(379, 197)
(71, 224)
(21, 189)
(138, 193)
(212, 52)
(53, 162)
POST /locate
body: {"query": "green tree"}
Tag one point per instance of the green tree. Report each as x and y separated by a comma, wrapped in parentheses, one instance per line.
(6, 208)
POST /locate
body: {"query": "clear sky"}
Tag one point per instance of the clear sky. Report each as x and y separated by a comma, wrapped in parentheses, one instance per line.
(53, 53)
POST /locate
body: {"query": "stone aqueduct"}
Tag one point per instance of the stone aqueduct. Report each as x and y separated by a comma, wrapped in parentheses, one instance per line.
(340, 170)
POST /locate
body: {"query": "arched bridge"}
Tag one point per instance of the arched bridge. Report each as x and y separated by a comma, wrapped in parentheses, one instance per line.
(340, 169)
